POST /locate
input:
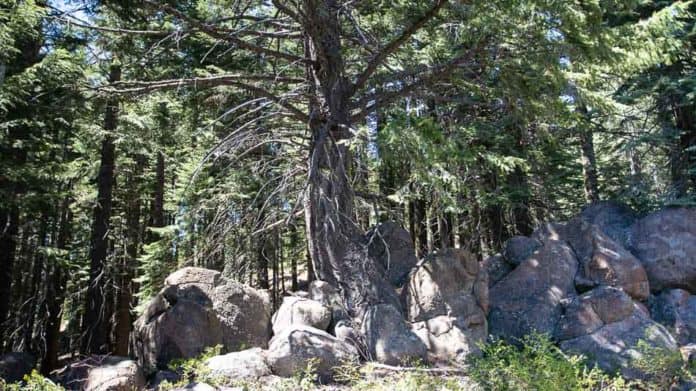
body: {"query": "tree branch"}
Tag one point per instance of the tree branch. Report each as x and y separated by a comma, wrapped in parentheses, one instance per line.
(215, 33)
(383, 53)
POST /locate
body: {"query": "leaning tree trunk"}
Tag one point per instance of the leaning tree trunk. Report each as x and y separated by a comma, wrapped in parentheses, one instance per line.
(95, 321)
(336, 244)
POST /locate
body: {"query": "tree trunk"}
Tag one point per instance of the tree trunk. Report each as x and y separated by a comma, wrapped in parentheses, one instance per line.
(589, 166)
(55, 295)
(9, 228)
(335, 242)
(95, 322)
(685, 177)
(124, 300)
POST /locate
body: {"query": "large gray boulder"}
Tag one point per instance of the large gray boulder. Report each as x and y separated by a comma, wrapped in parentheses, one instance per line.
(291, 351)
(392, 247)
(196, 309)
(246, 364)
(449, 282)
(676, 309)
(665, 242)
(102, 373)
(613, 219)
(13, 366)
(529, 298)
(301, 311)
(605, 326)
(447, 302)
(519, 248)
(605, 262)
(390, 338)
(451, 338)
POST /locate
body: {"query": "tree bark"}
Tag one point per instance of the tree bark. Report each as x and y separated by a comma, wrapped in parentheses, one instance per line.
(56, 293)
(335, 242)
(95, 322)
(124, 300)
(589, 166)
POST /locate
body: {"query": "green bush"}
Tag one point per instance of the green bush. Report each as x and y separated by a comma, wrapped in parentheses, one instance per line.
(32, 382)
(663, 367)
(537, 365)
(194, 369)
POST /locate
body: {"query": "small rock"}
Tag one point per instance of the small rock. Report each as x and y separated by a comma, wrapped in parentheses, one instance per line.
(300, 311)
(13, 366)
(291, 351)
(247, 364)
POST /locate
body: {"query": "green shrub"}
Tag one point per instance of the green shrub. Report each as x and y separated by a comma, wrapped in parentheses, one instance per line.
(194, 369)
(32, 382)
(663, 367)
(537, 365)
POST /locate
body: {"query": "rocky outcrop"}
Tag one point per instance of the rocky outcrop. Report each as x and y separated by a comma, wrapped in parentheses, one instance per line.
(390, 338)
(102, 373)
(291, 351)
(197, 308)
(392, 247)
(446, 299)
(246, 364)
(665, 242)
(676, 309)
(529, 298)
(605, 325)
(13, 366)
(301, 311)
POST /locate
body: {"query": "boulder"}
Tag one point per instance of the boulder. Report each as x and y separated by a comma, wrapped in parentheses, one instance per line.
(392, 247)
(676, 309)
(246, 364)
(196, 309)
(688, 353)
(447, 302)
(605, 262)
(449, 282)
(605, 325)
(301, 311)
(291, 351)
(496, 268)
(13, 366)
(390, 338)
(665, 242)
(102, 373)
(529, 298)
(519, 248)
(451, 339)
(587, 313)
(613, 219)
